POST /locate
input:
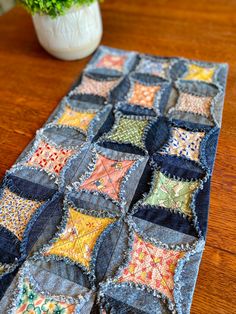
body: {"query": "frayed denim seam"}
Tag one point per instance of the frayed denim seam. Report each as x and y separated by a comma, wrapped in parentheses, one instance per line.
(182, 246)
(61, 179)
(42, 136)
(177, 277)
(100, 213)
(8, 183)
(32, 221)
(203, 147)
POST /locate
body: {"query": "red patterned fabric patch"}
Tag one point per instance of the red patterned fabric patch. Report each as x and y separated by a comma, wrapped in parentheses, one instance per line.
(152, 266)
(50, 158)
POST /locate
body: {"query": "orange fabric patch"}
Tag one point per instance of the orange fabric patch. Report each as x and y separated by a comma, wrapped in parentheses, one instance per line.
(50, 158)
(143, 95)
(112, 61)
(152, 266)
(76, 118)
(107, 176)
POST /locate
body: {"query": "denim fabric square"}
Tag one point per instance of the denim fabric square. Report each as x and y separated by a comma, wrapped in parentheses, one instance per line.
(106, 210)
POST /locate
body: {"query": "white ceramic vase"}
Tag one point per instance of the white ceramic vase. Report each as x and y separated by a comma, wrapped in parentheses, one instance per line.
(72, 36)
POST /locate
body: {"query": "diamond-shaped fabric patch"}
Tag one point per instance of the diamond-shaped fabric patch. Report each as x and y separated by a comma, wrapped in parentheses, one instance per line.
(110, 61)
(32, 302)
(195, 104)
(95, 87)
(143, 95)
(15, 212)
(184, 143)
(153, 67)
(49, 158)
(76, 118)
(129, 131)
(79, 237)
(107, 176)
(199, 73)
(170, 193)
(151, 266)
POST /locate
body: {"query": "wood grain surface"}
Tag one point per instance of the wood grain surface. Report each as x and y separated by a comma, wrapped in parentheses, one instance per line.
(32, 83)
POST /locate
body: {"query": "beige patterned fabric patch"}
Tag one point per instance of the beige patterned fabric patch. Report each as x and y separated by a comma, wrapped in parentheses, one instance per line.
(16, 211)
(95, 87)
(194, 104)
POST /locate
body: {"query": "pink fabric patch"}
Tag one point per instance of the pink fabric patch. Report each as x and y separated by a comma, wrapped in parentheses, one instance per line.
(107, 176)
(151, 266)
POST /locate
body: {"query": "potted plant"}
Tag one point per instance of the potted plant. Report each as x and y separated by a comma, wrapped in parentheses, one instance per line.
(67, 29)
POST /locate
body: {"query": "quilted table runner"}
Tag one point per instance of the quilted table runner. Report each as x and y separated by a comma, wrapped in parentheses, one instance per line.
(106, 209)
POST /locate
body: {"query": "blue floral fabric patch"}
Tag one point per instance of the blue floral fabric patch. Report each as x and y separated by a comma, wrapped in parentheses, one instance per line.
(106, 209)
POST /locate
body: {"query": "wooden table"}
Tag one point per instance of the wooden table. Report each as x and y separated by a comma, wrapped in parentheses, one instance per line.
(32, 83)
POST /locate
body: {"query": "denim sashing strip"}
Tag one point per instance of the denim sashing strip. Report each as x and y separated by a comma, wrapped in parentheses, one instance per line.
(106, 210)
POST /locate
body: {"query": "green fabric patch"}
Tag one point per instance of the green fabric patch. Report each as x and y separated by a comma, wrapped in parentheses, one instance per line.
(171, 193)
(129, 131)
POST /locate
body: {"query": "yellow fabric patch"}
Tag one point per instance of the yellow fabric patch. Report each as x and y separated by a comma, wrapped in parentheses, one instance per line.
(76, 118)
(15, 212)
(199, 73)
(79, 237)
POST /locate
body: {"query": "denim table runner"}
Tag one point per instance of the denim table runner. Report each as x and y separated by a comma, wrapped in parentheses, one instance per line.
(106, 209)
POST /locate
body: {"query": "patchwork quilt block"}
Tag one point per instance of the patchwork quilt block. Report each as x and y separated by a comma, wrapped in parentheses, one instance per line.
(106, 209)
(16, 211)
(77, 240)
(99, 87)
(153, 66)
(170, 193)
(184, 143)
(137, 127)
